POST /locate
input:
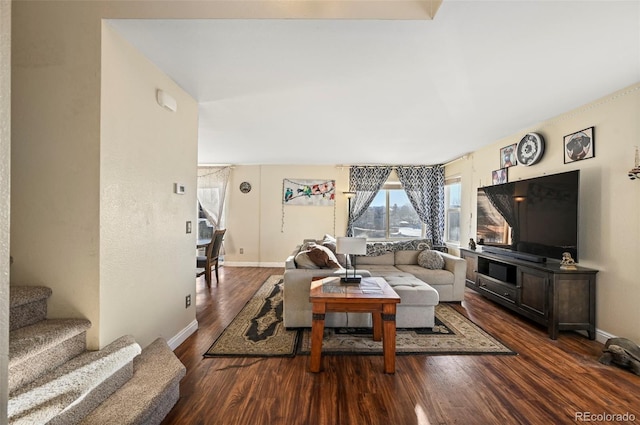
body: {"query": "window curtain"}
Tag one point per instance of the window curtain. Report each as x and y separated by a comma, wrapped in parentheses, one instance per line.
(365, 182)
(424, 186)
(211, 192)
(501, 196)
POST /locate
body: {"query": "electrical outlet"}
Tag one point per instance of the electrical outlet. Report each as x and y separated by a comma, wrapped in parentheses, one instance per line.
(241, 250)
(187, 301)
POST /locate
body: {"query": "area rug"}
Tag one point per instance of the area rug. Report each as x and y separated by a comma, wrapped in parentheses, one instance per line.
(258, 331)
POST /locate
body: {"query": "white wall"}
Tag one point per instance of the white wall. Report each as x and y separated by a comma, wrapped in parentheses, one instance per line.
(146, 257)
(609, 226)
(5, 200)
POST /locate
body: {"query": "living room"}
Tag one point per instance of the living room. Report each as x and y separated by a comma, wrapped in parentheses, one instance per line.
(77, 150)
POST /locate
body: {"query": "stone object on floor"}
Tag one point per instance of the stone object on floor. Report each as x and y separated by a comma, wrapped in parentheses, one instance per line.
(622, 352)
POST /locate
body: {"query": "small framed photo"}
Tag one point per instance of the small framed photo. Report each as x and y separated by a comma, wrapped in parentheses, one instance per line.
(579, 145)
(499, 176)
(508, 156)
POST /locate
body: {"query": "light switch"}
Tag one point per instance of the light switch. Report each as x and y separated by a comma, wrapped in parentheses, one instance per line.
(188, 227)
(179, 188)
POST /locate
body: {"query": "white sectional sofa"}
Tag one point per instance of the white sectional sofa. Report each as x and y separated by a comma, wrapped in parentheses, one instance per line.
(420, 289)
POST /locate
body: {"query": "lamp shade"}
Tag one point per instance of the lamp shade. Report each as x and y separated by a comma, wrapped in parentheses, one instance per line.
(349, 194)
(347, 245)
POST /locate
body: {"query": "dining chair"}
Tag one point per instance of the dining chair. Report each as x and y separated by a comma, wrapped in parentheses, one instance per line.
(210, 260)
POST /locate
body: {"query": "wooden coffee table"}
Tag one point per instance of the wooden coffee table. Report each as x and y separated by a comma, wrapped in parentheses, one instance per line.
(373, 295)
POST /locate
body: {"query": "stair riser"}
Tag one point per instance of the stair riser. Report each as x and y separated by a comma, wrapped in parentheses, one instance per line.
(158, 371)
(166, 403)
(27, 314)
(30, 370)
(94, 398)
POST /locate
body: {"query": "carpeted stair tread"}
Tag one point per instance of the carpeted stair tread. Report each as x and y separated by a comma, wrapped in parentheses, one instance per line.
(27, 305)
(150, 394)
(36, 349)
(68, 393)
(31, 341)
(19, 295)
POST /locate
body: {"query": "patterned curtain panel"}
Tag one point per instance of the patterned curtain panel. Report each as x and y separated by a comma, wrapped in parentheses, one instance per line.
(365, 182)
(212, 188)
(424, 186)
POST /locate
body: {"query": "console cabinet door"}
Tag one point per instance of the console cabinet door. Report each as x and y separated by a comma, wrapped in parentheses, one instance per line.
(472, 267)
(533, 291)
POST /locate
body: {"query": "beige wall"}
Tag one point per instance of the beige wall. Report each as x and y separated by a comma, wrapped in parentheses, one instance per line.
(146, 258)
(72, 232)
(5, 176)
(609, 226)
(55, 157)
(258, 223)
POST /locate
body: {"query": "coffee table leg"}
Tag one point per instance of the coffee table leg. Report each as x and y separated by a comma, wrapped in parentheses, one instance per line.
(317, 331)
(389, 337)
(377, 325)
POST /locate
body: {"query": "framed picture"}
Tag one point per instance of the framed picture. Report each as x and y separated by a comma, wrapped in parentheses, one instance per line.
(508, 156)
(579, 145)
(308, 192)
(499, 176)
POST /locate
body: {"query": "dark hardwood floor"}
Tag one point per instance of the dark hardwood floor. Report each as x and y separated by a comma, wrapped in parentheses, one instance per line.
(548, 382)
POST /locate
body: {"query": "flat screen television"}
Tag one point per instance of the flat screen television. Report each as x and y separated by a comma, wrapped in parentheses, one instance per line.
(532, 219)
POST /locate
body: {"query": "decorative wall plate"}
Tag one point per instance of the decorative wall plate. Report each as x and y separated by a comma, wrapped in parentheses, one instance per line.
(530, 149)
(245, 187)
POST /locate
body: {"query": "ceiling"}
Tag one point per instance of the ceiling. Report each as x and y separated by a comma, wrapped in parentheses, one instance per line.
(321, 91)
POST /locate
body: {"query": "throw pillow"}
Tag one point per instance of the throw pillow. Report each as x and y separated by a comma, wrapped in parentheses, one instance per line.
(306, 245)
(303, 261)
(430, 259)
(323, 257)
(328, 238)
(331, 243)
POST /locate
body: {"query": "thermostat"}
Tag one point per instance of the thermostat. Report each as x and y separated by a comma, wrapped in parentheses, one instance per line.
(179, 188)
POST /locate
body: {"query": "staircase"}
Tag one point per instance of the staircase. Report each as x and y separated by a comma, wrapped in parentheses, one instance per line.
(53, 379)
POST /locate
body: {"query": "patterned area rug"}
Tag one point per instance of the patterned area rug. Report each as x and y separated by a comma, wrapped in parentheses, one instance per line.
(258, 331)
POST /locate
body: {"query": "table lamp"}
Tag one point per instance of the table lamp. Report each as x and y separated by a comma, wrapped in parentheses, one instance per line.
(351, 246)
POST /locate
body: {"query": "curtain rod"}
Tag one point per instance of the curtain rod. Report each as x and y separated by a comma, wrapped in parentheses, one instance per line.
(396, 166)
(383, 165)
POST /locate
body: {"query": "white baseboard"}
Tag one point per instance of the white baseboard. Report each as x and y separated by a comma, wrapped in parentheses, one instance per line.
(252, 264)
(602, 336)
(181, 336)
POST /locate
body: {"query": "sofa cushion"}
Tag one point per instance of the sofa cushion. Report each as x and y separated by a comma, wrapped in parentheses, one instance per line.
(384, 259)
(430, 259)
(384, 270)
(432, 277)
(413, 291)
(409, 256)
(323, 257)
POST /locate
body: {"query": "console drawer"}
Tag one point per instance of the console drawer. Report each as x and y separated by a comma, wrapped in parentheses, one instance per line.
(502, 290)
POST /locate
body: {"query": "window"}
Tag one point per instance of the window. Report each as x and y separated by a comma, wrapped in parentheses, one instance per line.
(452, 201)
(390, 216)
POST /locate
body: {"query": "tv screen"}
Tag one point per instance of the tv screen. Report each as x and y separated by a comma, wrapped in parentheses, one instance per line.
(537, 216)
